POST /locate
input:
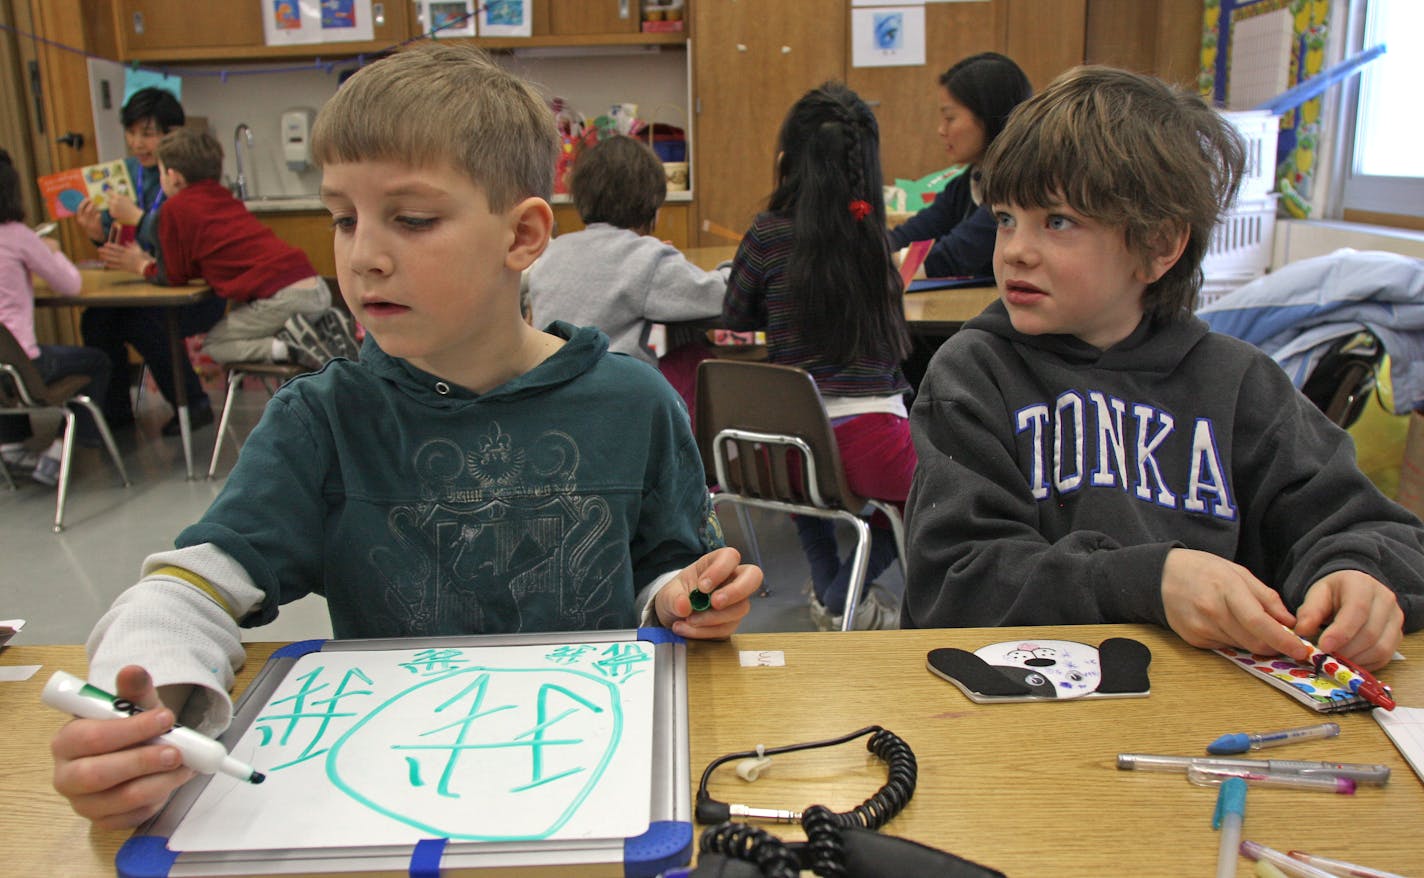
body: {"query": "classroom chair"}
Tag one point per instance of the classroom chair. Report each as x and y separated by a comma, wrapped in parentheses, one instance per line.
(24, 392)
(766, 441)
(272, 376)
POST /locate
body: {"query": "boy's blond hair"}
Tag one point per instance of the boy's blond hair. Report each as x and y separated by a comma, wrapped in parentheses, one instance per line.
(444, 102)
(1128, 151)
(196, 155)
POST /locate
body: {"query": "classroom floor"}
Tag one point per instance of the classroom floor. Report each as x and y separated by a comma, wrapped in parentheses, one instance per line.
(61, 583)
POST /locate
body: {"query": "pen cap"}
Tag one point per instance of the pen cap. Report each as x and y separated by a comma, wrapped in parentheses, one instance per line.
(1230, 799)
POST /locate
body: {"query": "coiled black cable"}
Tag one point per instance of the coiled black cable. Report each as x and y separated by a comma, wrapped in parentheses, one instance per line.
(822, 826)
(742, 841)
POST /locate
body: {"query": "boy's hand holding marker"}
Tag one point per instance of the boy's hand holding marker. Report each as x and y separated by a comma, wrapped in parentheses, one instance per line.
(727, 583)
(111, 770)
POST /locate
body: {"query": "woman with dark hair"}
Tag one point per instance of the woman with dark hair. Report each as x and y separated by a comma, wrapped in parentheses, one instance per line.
(976, 97)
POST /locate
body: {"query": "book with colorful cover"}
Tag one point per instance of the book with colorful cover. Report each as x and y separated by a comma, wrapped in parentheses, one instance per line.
(62, 192)
(1300, 681)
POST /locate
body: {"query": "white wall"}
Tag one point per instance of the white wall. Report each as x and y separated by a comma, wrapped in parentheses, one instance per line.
(1303, 239)
(587, 83)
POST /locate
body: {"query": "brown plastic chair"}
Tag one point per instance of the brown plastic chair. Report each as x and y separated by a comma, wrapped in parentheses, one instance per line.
(24, 392)
(767, 442)
(267, 373)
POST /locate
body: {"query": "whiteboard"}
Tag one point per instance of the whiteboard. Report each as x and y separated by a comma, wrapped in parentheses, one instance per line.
(496, 744)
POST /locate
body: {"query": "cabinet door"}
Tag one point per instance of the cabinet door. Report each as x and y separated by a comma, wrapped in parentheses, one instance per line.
(571, 17)
(174, 24)
(752, 61)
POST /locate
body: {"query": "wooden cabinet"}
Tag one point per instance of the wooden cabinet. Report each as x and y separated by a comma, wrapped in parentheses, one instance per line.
(307, 230)
(674, 223)
(173, 30)
(584, 17)
(751, 62)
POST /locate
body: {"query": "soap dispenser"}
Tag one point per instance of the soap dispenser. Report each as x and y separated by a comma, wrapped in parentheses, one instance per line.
(296, 137)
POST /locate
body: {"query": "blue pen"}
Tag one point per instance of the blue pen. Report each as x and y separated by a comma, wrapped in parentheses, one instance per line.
(1229, 815)
(1241, 742)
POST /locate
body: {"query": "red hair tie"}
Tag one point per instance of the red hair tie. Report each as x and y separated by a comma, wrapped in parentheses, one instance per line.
(859, 208)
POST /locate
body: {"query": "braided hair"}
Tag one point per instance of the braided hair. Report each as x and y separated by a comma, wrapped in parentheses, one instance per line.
(846, 290)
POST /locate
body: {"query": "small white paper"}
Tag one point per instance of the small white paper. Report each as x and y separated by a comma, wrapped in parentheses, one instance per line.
(17, 673)
(887, 36)
(1405, 727)
(762, 658)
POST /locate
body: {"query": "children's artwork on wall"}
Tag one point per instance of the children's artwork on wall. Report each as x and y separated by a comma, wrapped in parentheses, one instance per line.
(295, 22)
(1301, 129)
(506, 18)
(291, 22)
(443, 19)
(344, 21)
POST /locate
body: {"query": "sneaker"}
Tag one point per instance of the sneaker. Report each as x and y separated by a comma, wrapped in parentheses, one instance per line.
(303, 343)
(878, 610)
(200, 414)
(46, 470)
(337, 332)
(820, 616)
(20, 459)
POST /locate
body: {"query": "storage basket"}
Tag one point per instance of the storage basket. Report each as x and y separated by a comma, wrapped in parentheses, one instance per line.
(1242, 241)
(1258, 128)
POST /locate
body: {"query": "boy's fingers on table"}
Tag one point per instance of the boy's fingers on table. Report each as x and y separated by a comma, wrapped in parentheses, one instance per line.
(131, 803)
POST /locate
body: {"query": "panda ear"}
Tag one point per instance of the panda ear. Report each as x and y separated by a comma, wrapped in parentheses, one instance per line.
(1124, 666)
(973, 675)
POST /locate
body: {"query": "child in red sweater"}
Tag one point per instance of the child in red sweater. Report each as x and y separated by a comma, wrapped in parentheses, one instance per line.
(278, 300)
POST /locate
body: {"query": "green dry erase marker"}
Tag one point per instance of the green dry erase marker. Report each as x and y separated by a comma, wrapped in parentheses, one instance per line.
(700, 599)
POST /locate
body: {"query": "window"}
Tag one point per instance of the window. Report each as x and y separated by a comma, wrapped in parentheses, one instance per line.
(1385, 173)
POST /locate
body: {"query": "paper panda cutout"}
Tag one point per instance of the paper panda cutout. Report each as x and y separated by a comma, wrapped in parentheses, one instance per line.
(1041, 670)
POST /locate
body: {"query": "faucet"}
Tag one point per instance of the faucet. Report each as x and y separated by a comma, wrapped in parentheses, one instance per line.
(242, 132)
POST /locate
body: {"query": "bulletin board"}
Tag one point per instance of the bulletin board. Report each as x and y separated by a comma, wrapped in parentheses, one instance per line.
(525, 753)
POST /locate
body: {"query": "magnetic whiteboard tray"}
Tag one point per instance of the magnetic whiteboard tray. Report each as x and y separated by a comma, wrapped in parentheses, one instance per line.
(515, 751)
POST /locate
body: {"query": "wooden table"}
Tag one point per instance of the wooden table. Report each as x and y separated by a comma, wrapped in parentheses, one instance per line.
(107, 288)
(1029, 789)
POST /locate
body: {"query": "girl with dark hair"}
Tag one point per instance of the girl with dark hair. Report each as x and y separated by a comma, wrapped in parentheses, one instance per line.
(976, 97)
(816, 273)
(22, 252)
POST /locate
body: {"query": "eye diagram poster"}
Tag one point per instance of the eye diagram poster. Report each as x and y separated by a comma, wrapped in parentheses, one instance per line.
(386, 747)
(887, 36)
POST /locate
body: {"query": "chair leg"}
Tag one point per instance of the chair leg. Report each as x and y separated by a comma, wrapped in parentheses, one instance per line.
(234, 380)
(66, 457)
(5, 471)
(897, 527)
(860, 562)
(108, 437)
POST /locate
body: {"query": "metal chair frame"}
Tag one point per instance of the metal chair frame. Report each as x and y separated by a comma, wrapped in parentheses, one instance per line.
(28, 395)
(751, 460)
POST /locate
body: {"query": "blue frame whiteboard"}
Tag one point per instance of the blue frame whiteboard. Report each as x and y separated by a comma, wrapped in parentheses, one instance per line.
(433, 755)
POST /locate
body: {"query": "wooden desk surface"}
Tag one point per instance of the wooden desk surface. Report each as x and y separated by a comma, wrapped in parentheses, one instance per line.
(102, 287)
(1029, 789)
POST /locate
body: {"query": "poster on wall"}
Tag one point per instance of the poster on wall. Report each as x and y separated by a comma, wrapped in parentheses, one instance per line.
(1301, 28)
(346, 21)
(887, 36)
(291, 22)
(443, 18)
(506, 18)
